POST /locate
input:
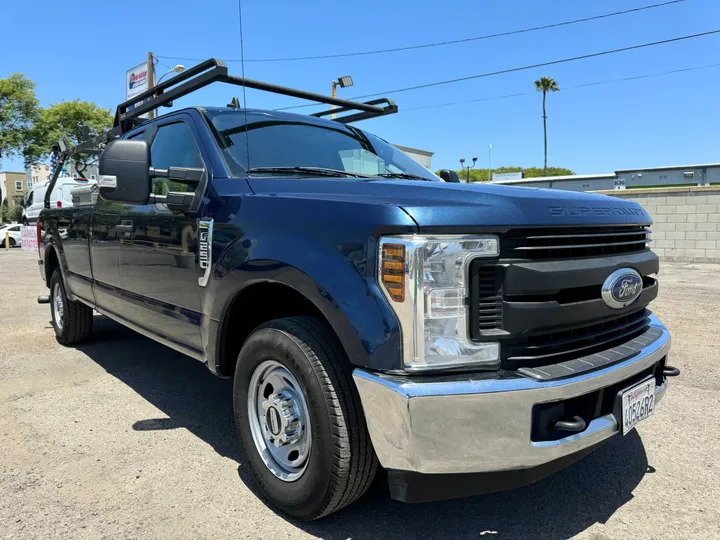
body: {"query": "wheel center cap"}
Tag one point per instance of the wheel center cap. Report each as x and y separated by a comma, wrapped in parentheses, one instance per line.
(272, 418)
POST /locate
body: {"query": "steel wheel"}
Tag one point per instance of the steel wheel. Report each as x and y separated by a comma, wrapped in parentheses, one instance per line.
(279, 420)
(58, 305)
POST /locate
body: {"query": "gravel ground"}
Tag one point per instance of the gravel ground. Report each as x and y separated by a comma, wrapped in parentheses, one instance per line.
(123, 438)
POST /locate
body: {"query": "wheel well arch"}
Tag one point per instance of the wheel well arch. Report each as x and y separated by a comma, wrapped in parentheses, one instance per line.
(52, 261)
(254, 305)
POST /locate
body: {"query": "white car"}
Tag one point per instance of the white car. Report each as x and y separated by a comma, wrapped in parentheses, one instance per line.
(13, 231)
(61, 196)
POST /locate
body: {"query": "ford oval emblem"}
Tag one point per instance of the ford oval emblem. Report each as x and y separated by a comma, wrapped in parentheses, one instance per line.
(622, 288)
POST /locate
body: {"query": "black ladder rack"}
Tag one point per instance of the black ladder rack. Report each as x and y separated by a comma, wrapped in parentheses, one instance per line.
(128, 114)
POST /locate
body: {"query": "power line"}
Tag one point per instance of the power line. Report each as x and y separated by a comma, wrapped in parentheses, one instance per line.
(442, 43)
(523, 68)
(596, 83)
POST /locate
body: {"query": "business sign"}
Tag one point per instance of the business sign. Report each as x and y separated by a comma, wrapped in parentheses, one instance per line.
(137, 81)
(619, 183)
(507, 176)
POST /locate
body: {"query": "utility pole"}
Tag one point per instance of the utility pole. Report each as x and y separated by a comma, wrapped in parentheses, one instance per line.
(467, 167)
(151, 78)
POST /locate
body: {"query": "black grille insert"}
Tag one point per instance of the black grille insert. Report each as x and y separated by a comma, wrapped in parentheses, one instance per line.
(554, 347)
(564, 243)
(485, 298)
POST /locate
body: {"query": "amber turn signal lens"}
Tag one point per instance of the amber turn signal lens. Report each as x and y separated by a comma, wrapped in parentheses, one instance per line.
(392, 270)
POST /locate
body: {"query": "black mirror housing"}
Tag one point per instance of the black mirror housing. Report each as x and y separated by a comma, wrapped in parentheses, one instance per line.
(125, 172)
(449, 176)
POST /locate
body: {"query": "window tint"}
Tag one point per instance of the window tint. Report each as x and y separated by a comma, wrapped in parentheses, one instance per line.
(173, 146)
(30, 199)
(14, 229)
(292, 141)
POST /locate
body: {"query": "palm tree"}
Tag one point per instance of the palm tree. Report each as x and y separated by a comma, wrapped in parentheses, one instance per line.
(545, 85)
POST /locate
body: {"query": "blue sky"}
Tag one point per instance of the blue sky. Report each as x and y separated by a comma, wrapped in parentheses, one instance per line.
(81, 49)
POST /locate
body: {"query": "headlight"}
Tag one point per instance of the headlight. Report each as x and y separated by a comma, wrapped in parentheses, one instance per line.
(425, 279)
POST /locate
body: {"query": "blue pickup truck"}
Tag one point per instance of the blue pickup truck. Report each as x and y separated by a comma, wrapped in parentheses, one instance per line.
(465, 338)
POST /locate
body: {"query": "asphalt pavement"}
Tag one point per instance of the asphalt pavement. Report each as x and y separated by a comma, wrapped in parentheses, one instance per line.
(121, 437)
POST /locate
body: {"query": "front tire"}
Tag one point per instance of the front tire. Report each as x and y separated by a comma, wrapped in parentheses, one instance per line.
(299, 419)
(72, 321)
(12, 242)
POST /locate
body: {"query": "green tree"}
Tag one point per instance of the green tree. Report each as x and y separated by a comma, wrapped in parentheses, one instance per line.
(481, 175)
(17, 208)
(4, 211)
(545, 85)
(535, 172)
(64, 121)
(18, 111)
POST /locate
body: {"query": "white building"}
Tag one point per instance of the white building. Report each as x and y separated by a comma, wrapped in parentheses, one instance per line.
(423, 157)
(37, 174)
(673, 176)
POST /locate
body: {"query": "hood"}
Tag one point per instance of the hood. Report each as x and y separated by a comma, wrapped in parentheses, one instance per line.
(439, 204)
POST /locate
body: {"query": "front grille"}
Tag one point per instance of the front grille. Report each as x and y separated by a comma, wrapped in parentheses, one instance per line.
(564, 243)
(554, 347)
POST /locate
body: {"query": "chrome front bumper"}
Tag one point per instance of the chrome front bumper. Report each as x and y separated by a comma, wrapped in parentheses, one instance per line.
(473, 426)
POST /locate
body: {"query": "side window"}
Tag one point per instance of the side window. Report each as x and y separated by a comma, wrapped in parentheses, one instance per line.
(30, 199)
(173, 146)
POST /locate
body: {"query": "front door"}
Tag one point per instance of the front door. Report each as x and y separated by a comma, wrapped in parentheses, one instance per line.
(159, 267)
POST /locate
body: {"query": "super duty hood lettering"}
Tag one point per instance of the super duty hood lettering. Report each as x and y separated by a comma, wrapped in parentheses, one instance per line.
(558, 211)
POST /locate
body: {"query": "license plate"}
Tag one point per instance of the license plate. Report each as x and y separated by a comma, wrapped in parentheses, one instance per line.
(638, 403)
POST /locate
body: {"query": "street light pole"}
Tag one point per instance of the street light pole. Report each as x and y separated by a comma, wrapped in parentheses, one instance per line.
(489, 162)
(176, 69)
(342, 82)
(467, 167)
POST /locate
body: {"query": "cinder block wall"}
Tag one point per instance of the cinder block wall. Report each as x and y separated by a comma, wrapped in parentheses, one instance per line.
(686, 221)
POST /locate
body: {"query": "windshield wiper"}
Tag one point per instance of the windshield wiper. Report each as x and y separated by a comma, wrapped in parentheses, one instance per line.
(319, 171)
(404, 176)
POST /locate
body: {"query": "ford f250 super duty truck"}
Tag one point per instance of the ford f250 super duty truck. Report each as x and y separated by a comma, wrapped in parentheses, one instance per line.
(466, 338)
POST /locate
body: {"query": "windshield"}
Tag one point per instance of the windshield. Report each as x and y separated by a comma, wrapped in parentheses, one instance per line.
(292, 142)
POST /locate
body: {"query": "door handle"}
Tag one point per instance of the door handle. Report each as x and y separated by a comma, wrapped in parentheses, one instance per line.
(125, 227)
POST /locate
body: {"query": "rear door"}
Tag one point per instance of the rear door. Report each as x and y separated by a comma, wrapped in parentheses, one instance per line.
(159, 267)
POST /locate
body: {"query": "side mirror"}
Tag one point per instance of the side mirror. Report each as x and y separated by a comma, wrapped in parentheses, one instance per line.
(449, 176)
(124, 172)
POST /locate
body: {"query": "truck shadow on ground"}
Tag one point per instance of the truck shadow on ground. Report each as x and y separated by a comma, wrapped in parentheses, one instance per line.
(557, 507)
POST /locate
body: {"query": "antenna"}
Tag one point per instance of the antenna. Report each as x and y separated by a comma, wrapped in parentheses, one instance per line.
(242, 69)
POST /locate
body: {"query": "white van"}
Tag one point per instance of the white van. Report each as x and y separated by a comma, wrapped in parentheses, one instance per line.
(61, 196)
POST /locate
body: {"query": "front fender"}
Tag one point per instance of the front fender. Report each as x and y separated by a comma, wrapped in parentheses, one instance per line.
(339, 281)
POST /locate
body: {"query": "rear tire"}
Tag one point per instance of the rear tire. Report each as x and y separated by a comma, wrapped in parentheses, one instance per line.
(341, 463)
(72, 321)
